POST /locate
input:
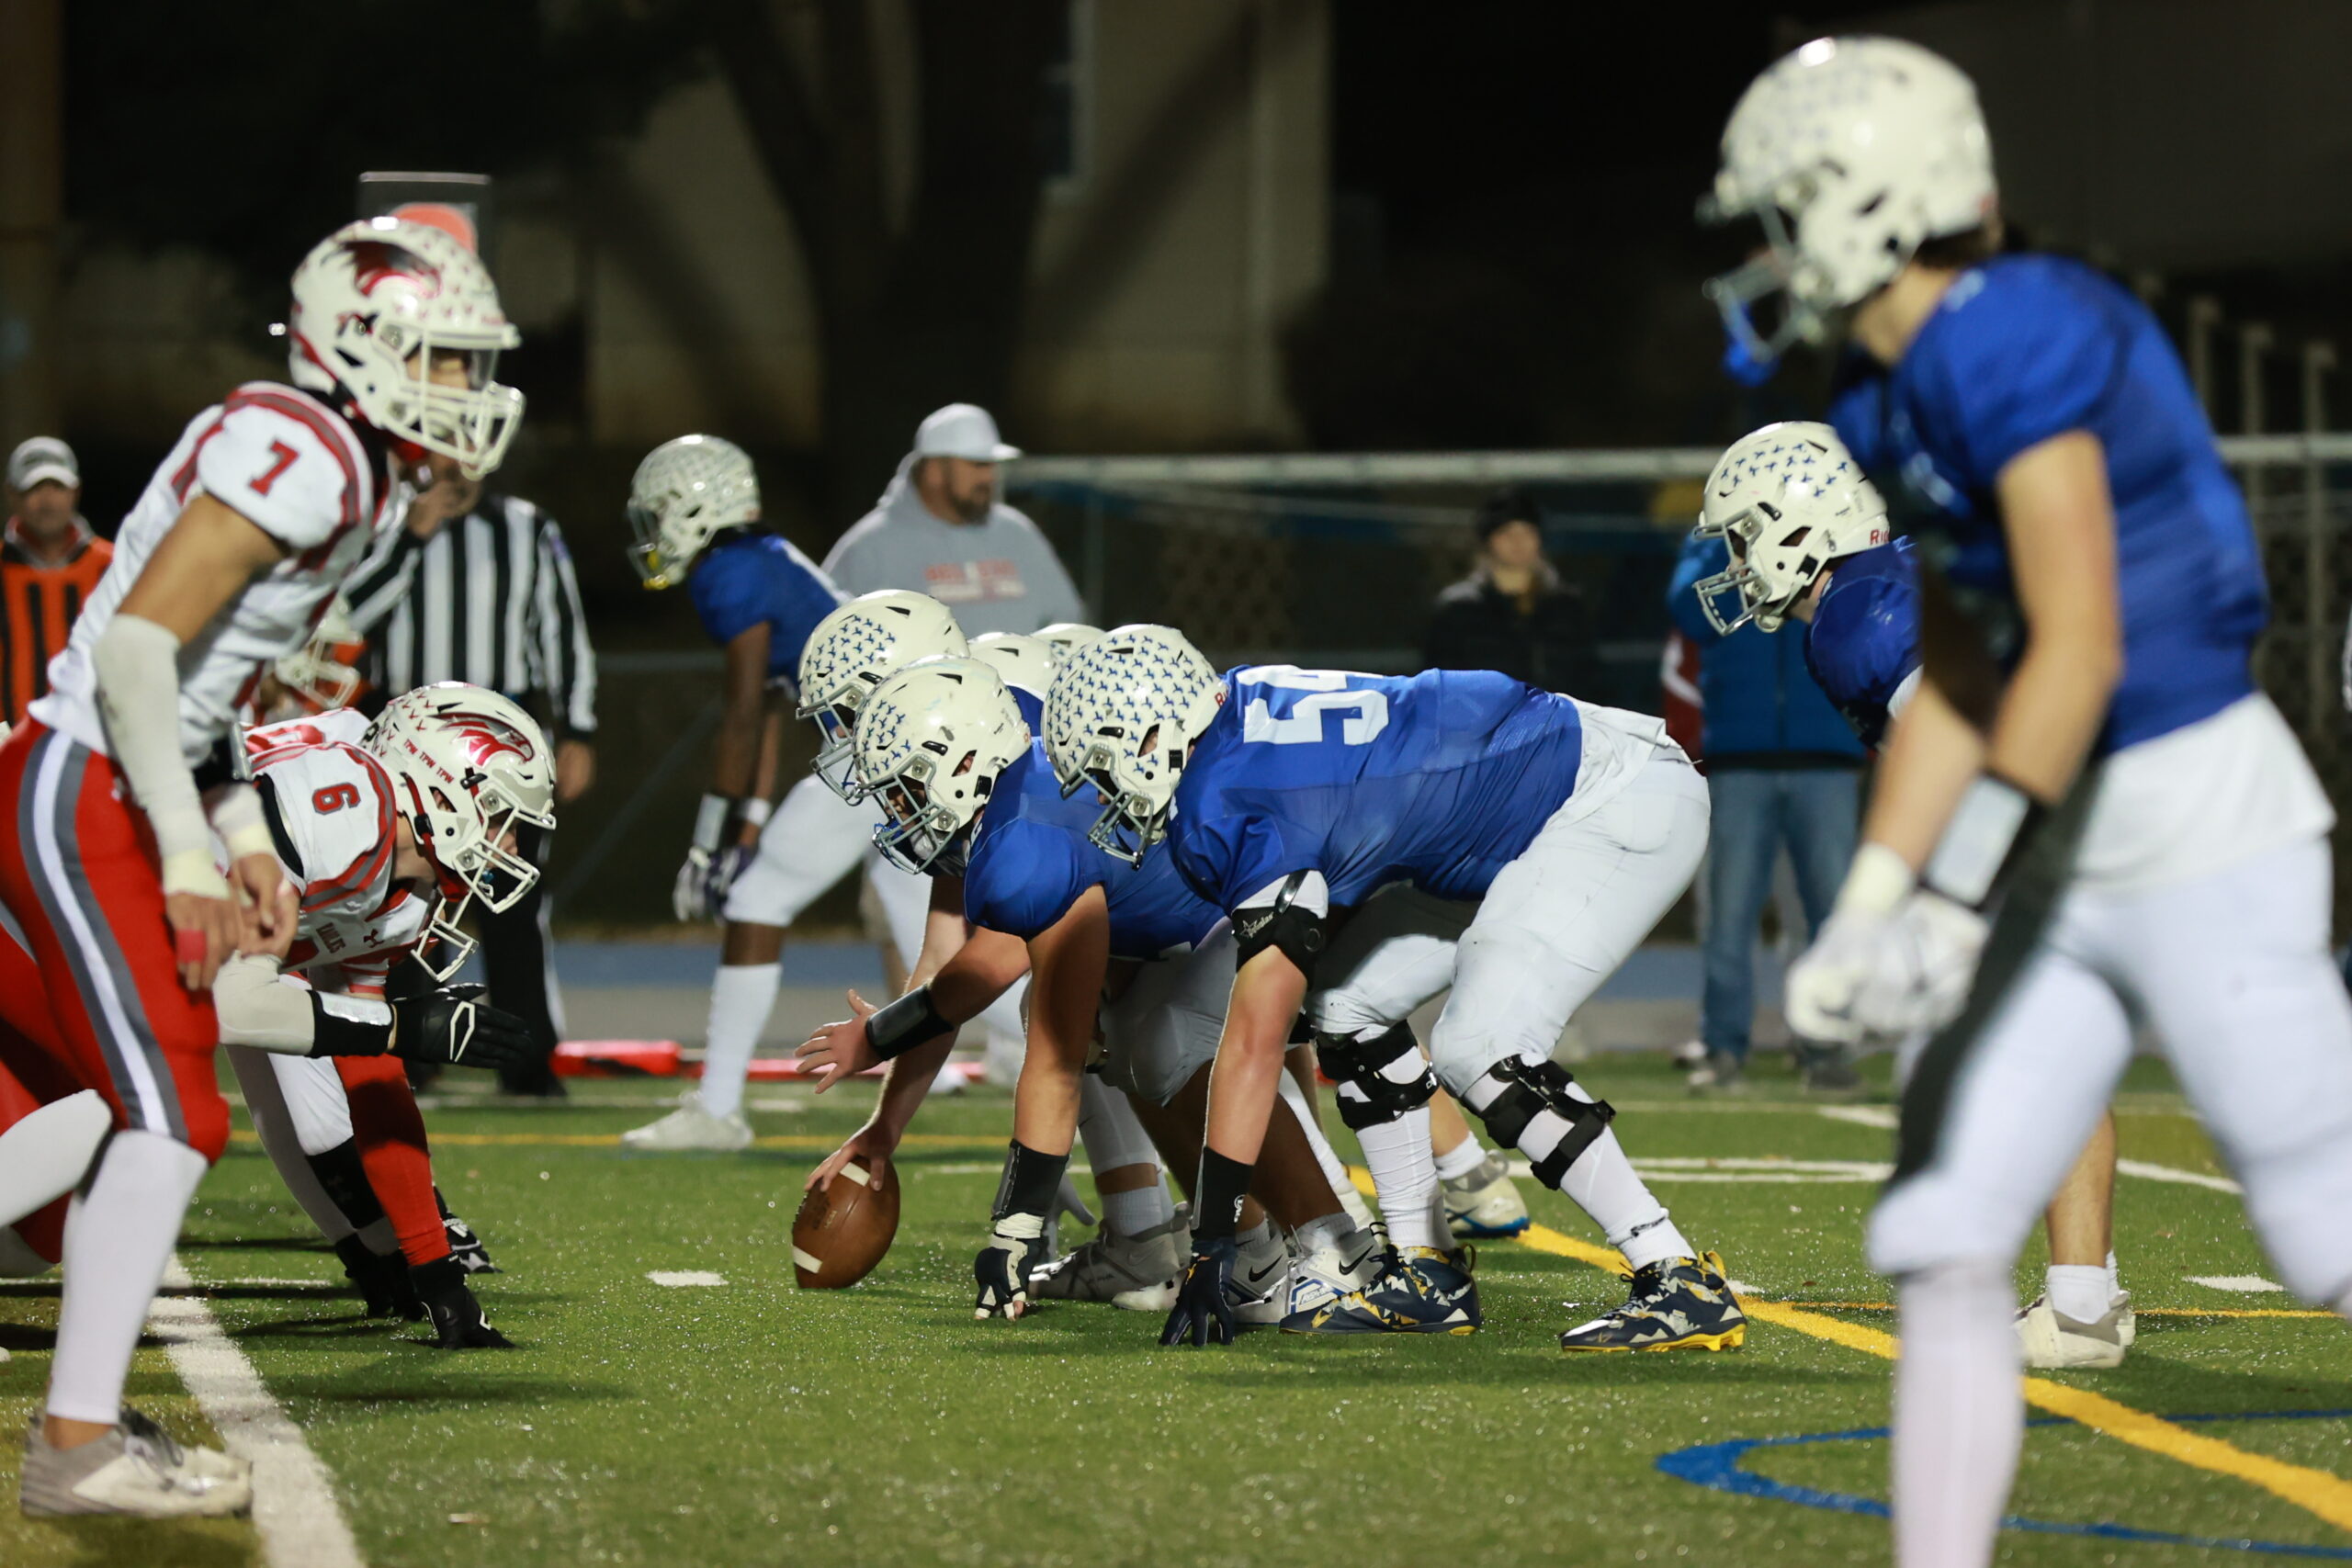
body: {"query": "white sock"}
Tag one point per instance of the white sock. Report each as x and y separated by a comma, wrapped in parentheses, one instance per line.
(1404, 1173)
(2079, 1290)
(1958, 1414)
(118, 1241)
(1335, 1173)
(1113, 1138)
(741, 997)
(1603, 1185)
(1461, 1159)
(1259, 1245)
(2114, 1281)
(47, 1152)
(1331, 1233)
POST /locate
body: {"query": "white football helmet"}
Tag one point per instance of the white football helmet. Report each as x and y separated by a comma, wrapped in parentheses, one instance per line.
(320, 673)
(1122, 716)
(854, 650)
(685, 493)
(469, 767)
(374, 302)
(1066, 638)
(932, 743)
(1789, 499)
(1026, 662)
(1851, 151)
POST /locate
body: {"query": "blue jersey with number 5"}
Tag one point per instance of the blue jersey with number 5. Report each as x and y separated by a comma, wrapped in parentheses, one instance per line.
(1032, 860)
(1441, 779)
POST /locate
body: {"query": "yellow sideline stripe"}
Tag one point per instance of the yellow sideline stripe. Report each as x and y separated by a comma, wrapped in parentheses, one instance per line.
(2315, 1491)
(809, 1143)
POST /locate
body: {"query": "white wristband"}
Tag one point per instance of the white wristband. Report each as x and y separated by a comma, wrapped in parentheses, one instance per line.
(1877, 881)
(710, 820)
(754, 809)
(237, 817)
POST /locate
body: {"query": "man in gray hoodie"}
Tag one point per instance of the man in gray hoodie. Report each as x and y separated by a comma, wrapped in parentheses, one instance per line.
(940, 529)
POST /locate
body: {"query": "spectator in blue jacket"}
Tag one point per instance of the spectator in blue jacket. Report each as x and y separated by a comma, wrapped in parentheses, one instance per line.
(1785, 768)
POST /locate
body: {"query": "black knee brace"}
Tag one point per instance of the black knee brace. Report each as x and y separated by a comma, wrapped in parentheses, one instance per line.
(1378, 1099)
(1532, 1086)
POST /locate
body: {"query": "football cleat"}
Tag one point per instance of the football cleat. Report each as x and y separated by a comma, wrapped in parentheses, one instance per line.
(690, 1129)
(1719, 1072)
(2052, 1340)
(136, 1471)
(1483, 1203)
(1321, 1277)
(1418, 1291)
(382, 1281)
(1135, 1273)
(1685, 1303)
(465, 1244)
(1258, 1294)
(458, 1323)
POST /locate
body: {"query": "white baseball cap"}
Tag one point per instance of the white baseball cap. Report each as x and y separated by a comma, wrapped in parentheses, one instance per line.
(962, 430)
(42, 459)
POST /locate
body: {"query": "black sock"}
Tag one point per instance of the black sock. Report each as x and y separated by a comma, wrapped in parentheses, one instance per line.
(1217, 1211)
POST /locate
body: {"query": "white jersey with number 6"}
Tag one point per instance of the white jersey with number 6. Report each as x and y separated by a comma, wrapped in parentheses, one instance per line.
(298, 472)
(332, 810)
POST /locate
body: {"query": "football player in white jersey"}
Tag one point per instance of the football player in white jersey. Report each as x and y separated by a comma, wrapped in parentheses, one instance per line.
(389, 831)
(113, 788)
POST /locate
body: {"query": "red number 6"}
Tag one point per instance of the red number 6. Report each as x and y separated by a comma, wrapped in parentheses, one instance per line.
(334, 797)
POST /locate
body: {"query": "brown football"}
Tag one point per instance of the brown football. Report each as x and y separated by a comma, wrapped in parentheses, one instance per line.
(842, 1231)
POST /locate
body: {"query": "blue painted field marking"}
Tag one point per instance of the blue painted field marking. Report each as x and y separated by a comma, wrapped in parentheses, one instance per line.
(1717, 1467)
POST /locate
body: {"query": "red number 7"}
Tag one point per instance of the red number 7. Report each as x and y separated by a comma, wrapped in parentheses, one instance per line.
(269, 477)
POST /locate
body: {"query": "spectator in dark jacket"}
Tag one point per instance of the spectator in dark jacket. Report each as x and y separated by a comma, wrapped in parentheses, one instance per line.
(1512, 613)
(1782, 767)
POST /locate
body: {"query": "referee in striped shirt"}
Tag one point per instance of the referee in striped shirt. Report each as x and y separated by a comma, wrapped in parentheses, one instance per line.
(480, 588)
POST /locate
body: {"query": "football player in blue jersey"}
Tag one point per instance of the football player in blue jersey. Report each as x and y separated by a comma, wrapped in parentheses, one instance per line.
(1284, 795)
(2087, 812)
(1806, 536)
(945, 748)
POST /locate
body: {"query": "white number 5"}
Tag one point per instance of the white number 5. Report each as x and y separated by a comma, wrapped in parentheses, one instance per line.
(1366, 712)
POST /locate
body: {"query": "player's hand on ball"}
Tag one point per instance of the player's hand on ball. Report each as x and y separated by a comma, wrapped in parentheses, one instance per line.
(838, 1050)
(1004, 1267)
(1202, 1315)
(870, 1146)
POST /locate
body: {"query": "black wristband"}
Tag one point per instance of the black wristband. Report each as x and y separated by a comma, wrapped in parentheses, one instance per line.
(895, 1030)
(1031, 1181)
(348, 1026)
(1216, 1209)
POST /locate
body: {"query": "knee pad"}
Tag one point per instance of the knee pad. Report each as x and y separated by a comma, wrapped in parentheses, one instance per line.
(1381, 1076)
(1530, 1088)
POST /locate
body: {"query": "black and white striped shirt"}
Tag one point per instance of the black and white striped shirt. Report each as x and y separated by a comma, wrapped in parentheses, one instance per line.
(490, 599)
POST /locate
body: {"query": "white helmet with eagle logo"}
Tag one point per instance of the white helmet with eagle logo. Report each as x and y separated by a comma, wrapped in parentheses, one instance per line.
(375, 303)
(469, 769)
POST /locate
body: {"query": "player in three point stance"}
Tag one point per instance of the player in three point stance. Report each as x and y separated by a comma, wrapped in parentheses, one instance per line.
(1285, 793)
(230, 556)
(2088, 810)
(388, 832)
(1808, 540)
(944, 746)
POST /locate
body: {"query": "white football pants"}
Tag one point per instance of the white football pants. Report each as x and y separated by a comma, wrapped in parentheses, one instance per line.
(2232, 971)
(1555, 924)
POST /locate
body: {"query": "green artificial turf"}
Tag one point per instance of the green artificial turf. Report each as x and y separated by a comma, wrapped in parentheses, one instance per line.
(756, 1423)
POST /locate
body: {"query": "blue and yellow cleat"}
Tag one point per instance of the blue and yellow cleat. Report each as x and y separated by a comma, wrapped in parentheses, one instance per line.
(1482, 1204)
(1684, 1305)
(1420, 1291)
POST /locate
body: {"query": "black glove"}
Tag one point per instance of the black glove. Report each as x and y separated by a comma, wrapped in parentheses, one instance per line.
(458, 1320)
(1202, 1315)
(383, 1283)
(454, 1026)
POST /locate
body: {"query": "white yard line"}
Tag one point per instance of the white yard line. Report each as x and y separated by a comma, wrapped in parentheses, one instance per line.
(2244, 1285)
(2147, 1172)
(681, 1279)
(301, 1525)
(1878, 1116)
